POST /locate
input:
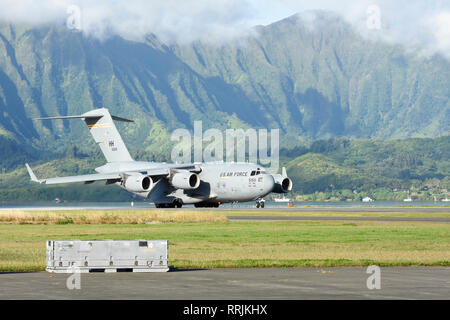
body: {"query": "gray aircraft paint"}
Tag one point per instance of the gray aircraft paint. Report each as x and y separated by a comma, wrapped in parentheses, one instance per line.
(219, 182)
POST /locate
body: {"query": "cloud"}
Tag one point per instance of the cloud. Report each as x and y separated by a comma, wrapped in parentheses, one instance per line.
(440, 24)
(171, 20)
(32, 12)
(418, 25)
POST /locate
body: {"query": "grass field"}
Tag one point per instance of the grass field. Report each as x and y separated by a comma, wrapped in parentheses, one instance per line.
(206, 239)
(139, 216)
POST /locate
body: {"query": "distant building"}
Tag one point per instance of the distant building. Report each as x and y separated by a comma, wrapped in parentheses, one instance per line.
(367, 199)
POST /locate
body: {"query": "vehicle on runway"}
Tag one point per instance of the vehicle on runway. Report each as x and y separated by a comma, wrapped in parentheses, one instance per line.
(171, 185)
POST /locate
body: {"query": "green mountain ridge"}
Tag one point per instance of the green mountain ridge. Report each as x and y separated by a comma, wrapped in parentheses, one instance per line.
(313, 80)
(367, 165)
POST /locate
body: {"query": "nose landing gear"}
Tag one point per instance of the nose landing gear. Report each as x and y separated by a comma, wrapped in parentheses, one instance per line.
(260, 203)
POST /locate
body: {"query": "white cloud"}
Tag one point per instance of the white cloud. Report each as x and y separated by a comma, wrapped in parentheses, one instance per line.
(440, 24)
(418, 25)
(32, 12)
(170, 19)
(421, 26)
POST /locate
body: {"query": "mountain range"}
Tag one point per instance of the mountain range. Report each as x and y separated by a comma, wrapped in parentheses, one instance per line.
(313, 79)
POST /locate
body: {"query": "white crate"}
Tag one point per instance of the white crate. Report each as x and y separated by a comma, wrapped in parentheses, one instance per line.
(107, 256)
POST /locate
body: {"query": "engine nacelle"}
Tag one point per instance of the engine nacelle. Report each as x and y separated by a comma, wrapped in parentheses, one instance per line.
(282, 184)
(138, 183)
(185, 180)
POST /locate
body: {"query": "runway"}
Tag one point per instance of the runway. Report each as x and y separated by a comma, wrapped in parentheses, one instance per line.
(228, 284)
(336, 218)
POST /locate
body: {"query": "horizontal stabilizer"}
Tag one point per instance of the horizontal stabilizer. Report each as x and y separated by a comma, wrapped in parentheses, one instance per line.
(60, 117)
(83, 117)
(121, 119)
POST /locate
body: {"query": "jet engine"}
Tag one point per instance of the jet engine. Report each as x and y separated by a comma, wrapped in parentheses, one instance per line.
(185, 180)
(138, 183)
(283, 184)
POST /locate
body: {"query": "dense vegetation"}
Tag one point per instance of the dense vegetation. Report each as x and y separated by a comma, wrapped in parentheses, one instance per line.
(343, 169)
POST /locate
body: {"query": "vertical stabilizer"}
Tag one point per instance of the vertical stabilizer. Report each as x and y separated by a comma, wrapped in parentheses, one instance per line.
(101, 124)
(106, 135)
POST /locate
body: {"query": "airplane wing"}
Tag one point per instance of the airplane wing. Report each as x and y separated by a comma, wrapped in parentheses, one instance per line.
(109, 177)
(87, 178)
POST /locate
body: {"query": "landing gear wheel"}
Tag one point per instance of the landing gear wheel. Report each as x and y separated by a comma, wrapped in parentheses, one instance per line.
(167, 205)
(260, 203)
(207, 204)
(177, 203)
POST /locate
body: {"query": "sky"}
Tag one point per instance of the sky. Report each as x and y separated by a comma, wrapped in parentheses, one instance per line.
(420, 25)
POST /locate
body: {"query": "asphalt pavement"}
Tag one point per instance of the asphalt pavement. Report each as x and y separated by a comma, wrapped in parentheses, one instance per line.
(228, 284)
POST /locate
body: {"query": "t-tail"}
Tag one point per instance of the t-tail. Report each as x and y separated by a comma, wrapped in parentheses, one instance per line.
(101, 124)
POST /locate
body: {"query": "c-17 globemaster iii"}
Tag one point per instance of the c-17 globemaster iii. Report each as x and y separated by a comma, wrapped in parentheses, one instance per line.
(171, 185)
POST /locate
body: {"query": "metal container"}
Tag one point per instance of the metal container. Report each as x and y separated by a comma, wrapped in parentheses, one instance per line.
(107, 256)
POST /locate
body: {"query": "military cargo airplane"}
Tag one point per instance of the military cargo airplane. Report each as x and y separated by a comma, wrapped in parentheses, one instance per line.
(171, 185)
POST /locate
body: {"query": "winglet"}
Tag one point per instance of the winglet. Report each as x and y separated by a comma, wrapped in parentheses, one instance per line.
(32, 175)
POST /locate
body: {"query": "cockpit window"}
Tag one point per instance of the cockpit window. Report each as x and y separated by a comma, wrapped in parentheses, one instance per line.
(258, 172)
(253, 173)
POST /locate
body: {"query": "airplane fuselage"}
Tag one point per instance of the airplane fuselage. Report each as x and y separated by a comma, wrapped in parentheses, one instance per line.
(219, 182)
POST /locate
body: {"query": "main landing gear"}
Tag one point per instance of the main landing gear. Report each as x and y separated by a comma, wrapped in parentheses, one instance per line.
(177, 203)
(260, 203)
(207, 205)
